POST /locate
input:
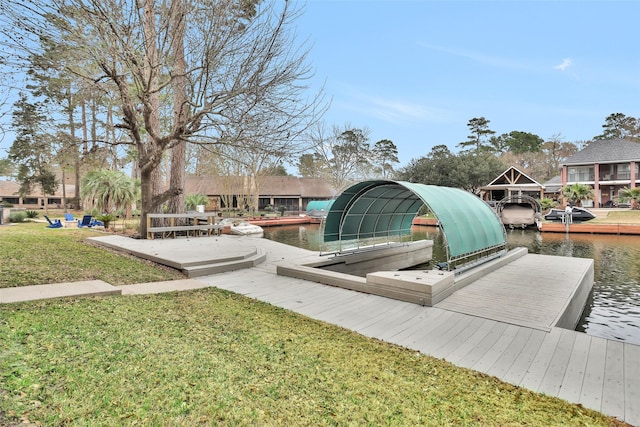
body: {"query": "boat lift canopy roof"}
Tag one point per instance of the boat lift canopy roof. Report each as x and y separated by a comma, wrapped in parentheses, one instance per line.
(383, 208)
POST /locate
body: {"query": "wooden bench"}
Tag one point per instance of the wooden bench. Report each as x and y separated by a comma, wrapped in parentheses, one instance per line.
(198, 230)
(203, 224)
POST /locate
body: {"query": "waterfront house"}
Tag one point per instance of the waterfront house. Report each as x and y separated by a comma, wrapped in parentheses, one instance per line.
(607, 166)
(10, 195)
(290, 192)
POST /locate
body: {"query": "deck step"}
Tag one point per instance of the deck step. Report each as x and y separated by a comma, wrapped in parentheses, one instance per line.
(221, 267)
(221, 259)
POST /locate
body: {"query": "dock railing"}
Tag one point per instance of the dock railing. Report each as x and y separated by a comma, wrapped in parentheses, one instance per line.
(194, 224)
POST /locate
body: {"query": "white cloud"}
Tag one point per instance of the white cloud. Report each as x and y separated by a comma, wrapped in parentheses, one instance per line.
(566, 63)
(396, 111)
(494, 61)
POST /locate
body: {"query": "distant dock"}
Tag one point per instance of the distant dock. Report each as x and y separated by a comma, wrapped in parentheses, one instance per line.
(557, 227)
(586, 227)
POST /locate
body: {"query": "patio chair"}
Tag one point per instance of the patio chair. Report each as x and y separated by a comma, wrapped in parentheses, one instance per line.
(85, 221)
(69, 217)
(53, 224)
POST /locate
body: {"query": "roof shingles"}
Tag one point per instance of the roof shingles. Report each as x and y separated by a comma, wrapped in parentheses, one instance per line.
(606, 151)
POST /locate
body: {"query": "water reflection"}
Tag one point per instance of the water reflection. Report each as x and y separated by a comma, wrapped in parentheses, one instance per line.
(613, 307)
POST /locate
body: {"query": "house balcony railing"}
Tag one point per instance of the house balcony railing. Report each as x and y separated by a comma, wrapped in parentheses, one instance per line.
(621, 176)
(581, 177)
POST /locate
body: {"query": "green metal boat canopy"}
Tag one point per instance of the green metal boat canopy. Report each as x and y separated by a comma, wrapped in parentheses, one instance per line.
(383, 208)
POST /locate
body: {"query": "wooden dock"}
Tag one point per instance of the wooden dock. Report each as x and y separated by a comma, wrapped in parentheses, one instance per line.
(586, 227)
(598, 373)
(494, 334)
(536, 291)
(557, 227)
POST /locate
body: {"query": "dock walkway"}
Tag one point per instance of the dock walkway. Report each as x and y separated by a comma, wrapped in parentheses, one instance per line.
(598, 373)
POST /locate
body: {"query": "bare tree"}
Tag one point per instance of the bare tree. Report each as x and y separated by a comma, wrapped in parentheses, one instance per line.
(343, 153)
(556, 151)
(235, 61)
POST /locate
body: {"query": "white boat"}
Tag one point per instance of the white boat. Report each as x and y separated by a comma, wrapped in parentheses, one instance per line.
(243, 228)
(519, 211)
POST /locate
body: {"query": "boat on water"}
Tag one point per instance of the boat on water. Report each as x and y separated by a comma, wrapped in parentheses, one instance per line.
(317, 209)
(519, 211)
(243, 228)
(577, 215)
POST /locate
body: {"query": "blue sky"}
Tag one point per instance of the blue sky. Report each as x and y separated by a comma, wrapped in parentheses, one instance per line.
(416, 72)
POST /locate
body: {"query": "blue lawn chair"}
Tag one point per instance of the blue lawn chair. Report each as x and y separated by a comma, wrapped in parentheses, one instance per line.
(69, 217)
(88, 221)
(85, 221)
(53, 224)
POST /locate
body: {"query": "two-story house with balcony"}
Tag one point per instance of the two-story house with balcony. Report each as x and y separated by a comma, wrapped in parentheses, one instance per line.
(607, 166)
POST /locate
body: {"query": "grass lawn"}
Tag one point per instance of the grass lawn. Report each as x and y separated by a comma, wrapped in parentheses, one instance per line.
(32, 254)
(619, 217)
(210, 357)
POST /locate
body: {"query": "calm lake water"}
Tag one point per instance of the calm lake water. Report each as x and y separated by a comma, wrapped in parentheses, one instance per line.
(613, 307)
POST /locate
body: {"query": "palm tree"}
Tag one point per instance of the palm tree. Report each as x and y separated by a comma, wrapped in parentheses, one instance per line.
(576, 193)
(193, 200)
(632, 194)
(109, 191)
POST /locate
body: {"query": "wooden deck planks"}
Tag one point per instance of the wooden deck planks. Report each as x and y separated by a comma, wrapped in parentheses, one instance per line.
(597, 373)
(417, 333)
(475, 325)
(571, 386)
(541, 361)
(632, 384)
(508, 357)
(558, 364)
(472, 357)
(445, 334)
(613, 386)
(479, 335)
(378, 326)
(405, 326)
(504, 296)
(494, 352)
(520, 366)
(593, 382)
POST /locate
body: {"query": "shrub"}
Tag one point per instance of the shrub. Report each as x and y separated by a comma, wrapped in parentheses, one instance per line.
(106, 219)
(32, 214)
(6, 204)
(193, 200)
(17, 217)
(547, 204)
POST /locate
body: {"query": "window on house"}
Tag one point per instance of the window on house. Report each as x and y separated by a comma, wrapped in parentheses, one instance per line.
(623, 171)
(581, 174)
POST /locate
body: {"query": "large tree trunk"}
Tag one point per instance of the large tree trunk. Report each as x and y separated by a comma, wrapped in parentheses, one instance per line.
(178, 153)
(150, 174)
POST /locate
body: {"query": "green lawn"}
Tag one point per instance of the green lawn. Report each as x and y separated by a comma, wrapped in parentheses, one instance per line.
(619, 217)
(210, 357)
(31, 254)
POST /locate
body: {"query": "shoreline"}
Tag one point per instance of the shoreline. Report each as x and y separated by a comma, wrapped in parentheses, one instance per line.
(557, 227)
